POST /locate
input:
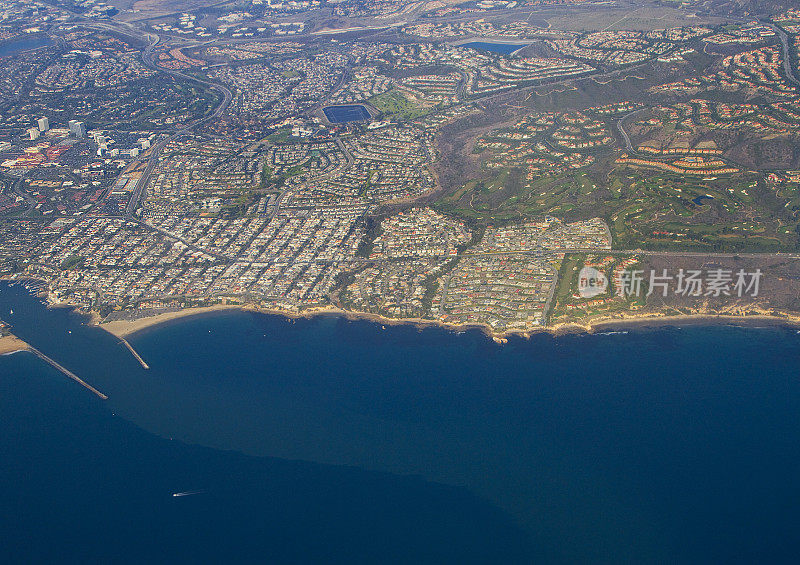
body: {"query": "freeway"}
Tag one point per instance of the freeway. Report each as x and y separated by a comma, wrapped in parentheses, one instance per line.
(348, 157)
(29, 200)
(596, 250)
(787, 60)
(155, 151)
(128, 30)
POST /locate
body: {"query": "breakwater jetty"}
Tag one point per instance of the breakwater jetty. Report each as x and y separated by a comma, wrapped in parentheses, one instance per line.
(134, 353)
(66, 372)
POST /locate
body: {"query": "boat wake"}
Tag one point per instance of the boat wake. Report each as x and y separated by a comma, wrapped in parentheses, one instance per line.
(188, 493)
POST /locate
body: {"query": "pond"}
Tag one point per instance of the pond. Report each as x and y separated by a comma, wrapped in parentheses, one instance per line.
(700, 199)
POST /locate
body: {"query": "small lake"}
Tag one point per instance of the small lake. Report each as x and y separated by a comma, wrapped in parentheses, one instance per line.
(23, 43)
(502, 48)
(700, 200)
(346, 114)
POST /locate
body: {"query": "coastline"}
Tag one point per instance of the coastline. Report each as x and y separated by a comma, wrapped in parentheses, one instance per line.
(11, 344)
(656, 320)
(124, 328)
(618, 322)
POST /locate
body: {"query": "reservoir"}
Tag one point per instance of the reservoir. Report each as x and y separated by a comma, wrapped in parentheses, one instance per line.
(24, 43)
(501, 48)
(346, 113)
(338, 441)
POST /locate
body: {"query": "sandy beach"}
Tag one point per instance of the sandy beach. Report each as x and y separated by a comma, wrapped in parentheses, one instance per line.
(11, 344)
(123, 328)
(621, 321)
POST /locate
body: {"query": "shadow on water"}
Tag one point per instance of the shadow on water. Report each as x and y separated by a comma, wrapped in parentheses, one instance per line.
(667, 445)
(83, 486)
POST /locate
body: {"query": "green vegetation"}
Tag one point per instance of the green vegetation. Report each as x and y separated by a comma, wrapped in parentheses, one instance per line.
(72, 262)
(567, 307)
(266, 175)
(373, 230)
(394, 104)
(568, 277)
(272, 181)
(507, 196)
(280, 136)
(646, 210)
(431, 283)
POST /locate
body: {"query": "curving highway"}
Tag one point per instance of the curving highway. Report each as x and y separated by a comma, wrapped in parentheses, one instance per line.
(155, 151)
(787, 60)
(623, 133)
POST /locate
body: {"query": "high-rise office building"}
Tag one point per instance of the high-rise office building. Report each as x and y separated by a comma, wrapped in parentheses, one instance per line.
(77, 128)
(34, 133)
(43, 123)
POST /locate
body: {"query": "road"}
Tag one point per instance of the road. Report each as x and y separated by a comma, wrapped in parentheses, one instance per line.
(30, 200)
(787, 61)
(188, 244)
(623, 133)
(152, 41)
(537, 253)
(631, 151)
(698, 254)
(155, 151)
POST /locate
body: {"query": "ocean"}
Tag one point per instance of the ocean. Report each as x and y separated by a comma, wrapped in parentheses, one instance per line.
(337, 441)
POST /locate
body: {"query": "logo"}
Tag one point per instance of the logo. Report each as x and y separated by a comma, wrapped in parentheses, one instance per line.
(591, 282)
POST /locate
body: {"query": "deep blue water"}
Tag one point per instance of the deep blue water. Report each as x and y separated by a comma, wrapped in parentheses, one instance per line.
(345, 114)
(502, 48)
(327, 440)
(23, 44)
